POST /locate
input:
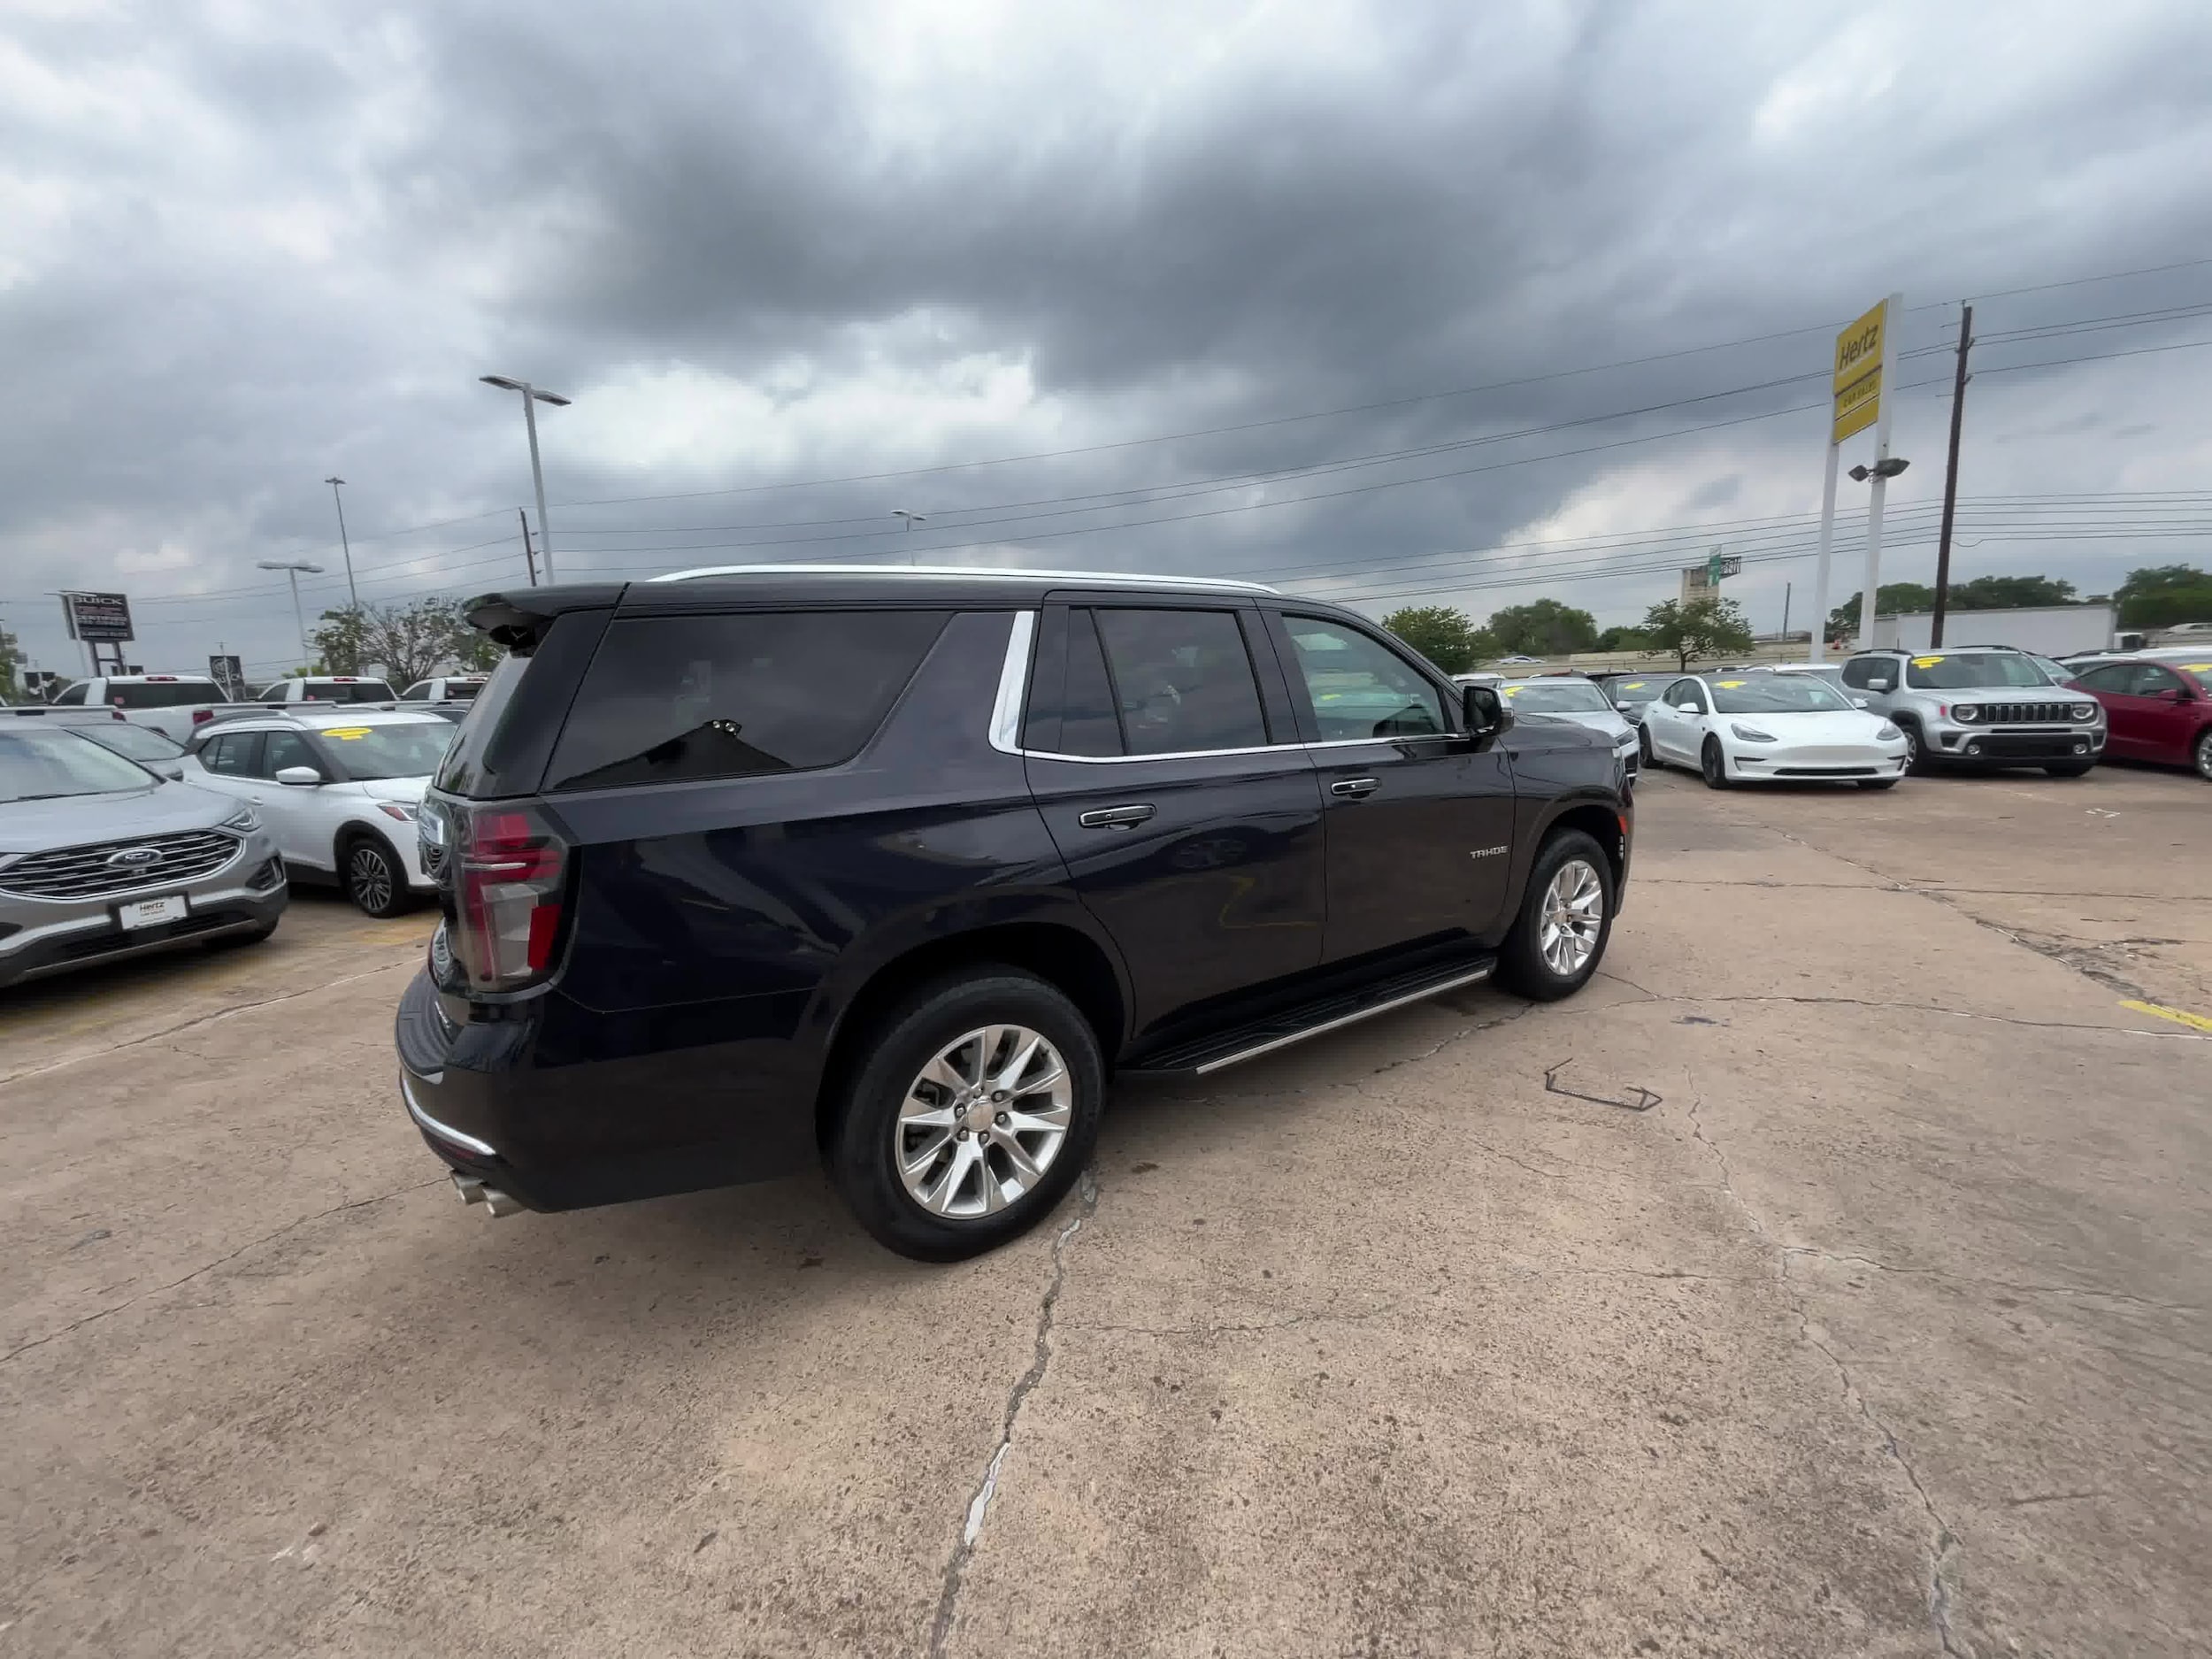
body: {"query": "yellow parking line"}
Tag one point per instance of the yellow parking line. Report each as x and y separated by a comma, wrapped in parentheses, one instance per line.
(2196, 1022)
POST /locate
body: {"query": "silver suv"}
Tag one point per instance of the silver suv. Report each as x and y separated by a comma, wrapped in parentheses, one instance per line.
(1979, 706)
(101, 859)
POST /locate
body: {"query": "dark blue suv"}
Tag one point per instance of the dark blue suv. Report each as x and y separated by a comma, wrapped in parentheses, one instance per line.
(897, 868)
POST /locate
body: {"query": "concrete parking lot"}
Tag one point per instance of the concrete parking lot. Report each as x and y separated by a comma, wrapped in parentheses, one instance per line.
(1830, 1277)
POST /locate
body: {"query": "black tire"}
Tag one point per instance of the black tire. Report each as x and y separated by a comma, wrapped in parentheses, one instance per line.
(1646, 761)
(1877, 783)
(2069, 769)
(1712, 765)
(373, 876)
(1523, 968)
(866, 1140)
(1916, 762)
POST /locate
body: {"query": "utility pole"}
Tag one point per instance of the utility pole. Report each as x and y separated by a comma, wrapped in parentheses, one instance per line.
(1951, 480)
(1786, 611)
(913, 518)
(353, 598)
(528, 558)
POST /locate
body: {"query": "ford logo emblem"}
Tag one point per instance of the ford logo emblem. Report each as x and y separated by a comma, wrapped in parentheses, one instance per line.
(134, 857)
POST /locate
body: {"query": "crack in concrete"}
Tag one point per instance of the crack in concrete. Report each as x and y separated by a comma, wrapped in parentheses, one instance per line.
(979, 1506)
(230, 1255)
(1944, 1548)
(1316, 1316)
(1790, 1250)
(1461, 1035)
(209, 1018)
(1906, 1008)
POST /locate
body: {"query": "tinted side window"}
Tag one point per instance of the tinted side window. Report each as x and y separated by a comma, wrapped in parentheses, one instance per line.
(285, 749)
(419, 692)
(274, 694)
(231, 755)
(2111, 677)
(1089, 724)
(2151, 681)
(675, 697)
(1359, 688)
(1182, 681)
(73, 697)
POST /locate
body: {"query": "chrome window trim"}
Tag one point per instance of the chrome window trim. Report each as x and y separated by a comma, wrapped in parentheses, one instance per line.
(1013, 685)
(444, 1131)
(1009, 706)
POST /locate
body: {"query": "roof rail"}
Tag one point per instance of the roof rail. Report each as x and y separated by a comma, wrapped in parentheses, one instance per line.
(1088, 579)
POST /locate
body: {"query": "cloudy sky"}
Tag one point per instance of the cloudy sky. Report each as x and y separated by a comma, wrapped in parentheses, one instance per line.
(1401, 303)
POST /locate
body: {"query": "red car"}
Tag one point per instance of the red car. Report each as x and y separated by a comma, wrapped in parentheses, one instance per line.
(2160, 711)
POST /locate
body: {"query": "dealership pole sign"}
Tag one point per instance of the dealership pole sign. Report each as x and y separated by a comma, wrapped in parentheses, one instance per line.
(98, 618)
(1861, 387)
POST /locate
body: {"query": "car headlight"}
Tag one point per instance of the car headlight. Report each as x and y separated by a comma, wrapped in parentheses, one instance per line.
(1965, 713)
(1888, 734)
(2086, 710)
(399, 810)
(243, 821)
(1752, 734)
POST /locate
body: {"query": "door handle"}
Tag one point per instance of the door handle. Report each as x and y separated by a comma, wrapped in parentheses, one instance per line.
(1115, 816)
(1358, 789)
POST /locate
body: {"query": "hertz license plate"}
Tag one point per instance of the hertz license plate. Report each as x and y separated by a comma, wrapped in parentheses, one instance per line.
(152, 912)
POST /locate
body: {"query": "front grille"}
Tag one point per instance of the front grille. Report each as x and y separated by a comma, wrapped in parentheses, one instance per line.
(1824, 772)
(2032, 746)
(2024, 714)
(84, 872)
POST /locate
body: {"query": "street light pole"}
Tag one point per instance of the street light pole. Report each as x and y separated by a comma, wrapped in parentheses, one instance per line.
(913, 518)
(531, 396)
(353, 597)
(292, 569)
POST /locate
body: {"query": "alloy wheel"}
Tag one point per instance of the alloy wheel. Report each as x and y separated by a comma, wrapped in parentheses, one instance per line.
(2204, 754)
(983, 1121)
(1573, 914)
(370, 879)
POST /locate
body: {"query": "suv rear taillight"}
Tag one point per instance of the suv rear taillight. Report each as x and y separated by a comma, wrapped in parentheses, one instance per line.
(509, 881)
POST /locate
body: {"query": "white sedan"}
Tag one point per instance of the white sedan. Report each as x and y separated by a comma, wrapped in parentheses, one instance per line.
(339, 789)
(1737, 728)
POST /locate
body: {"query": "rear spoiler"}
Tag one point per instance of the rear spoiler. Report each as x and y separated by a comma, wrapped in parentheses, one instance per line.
(518, 618)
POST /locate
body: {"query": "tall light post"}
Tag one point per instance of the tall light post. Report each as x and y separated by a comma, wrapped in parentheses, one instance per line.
(913, 518)
(292, 569)
(531, 396)
(347, 546)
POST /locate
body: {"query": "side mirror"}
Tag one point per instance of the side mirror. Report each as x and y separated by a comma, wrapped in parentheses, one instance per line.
(299, 777)
(174, 774)
(1484, 711)
(1879, 684)
(1860, 703)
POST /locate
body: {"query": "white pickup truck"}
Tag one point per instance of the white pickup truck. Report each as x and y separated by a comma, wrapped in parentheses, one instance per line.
(171, 703)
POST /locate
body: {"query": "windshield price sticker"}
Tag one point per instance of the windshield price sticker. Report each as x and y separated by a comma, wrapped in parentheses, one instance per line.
(1730, 685)
(1925, 662)
(347, 733)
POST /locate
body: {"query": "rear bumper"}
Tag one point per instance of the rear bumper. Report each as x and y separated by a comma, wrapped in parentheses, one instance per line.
(519, 1103)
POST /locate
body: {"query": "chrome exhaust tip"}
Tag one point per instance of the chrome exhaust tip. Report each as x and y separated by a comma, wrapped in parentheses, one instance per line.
(471, 1190)
(497, 1204)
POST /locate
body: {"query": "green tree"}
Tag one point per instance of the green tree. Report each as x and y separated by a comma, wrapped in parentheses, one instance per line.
(11, 661)
(1704, 627)
(1890, 599)
(2004, 593)
(1543, 627)
(2162, 595)
(406, 642)
(1624, 640)
(1446, 636)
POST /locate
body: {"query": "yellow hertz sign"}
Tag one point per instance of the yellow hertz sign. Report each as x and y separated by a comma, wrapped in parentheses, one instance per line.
(1859, 374)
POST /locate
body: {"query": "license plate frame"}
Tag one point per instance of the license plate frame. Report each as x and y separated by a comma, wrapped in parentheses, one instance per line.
(155, 912)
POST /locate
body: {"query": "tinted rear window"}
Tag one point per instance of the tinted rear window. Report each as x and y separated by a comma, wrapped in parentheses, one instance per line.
(349, 691)
(163, 694)
(668, 698)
